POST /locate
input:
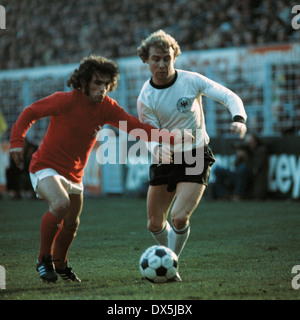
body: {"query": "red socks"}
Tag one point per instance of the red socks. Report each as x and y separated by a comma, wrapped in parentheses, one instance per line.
(62, 244)
(49, 228)
(52, 230)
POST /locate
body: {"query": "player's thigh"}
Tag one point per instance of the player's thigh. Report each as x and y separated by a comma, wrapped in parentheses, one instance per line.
(159, 201)
(52, 190)
(71, 219)
(188, 196)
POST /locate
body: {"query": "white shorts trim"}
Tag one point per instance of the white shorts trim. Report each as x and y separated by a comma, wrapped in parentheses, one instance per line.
(70, 186)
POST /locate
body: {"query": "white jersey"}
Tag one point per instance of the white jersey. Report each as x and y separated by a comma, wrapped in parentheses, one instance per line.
(178, 105)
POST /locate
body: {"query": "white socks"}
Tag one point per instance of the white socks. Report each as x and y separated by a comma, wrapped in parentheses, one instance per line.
(178, 238)
(162, 236)
(172, 238)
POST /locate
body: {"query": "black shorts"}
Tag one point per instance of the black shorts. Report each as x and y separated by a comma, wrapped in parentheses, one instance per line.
(173, 173)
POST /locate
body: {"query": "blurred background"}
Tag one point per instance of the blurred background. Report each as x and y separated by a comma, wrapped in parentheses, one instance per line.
(249, 46)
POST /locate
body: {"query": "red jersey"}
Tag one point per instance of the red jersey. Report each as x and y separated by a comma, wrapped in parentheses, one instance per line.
(71, 135)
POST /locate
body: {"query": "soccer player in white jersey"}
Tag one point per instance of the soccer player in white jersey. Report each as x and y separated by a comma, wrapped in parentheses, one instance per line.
(172, 99)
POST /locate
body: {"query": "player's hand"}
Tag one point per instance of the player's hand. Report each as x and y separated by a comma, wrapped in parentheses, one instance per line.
(163, 154)
(238, 128)
(183, 136)
(183, 140)
(17, 154)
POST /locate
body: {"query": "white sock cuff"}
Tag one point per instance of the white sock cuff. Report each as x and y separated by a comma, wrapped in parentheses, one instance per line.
(181, 231)
(166, 227)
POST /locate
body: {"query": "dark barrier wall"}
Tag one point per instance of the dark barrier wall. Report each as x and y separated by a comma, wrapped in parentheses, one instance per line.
(283, 161)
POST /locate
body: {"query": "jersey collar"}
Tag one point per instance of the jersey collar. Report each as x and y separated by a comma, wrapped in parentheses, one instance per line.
(164, 86)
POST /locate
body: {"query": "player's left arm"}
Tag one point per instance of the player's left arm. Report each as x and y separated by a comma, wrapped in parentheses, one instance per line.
(238, 126)
(229, 99)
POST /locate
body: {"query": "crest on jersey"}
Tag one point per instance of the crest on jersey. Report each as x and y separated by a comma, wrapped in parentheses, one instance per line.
(184, 104)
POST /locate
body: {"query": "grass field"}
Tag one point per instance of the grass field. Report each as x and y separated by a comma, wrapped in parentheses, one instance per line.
(236, 251)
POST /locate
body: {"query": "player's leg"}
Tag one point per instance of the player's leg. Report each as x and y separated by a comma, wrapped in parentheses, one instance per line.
(188, 196)
(65, 238)
(159, 201)
(189, 191)
(68, 231)
(51, 189)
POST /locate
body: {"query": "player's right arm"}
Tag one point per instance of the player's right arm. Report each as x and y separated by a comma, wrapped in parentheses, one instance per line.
(162, 152)
(38, 110)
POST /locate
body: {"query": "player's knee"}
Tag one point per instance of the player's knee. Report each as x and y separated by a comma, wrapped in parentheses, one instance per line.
(180, 222)
(155, 226)
(60, 207)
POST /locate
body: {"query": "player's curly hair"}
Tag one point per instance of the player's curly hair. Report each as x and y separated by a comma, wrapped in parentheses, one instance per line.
(93, 65)
(158, 39)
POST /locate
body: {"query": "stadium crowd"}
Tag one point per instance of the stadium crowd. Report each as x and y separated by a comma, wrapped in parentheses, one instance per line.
(63, 31)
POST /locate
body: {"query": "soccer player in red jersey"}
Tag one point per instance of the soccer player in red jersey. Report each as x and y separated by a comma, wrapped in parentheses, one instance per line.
(57, 167)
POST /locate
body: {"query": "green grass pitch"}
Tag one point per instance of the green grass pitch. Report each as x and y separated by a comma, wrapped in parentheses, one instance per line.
(242, 250)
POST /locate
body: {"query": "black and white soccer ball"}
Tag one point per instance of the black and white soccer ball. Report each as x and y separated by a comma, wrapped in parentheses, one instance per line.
(158, 264)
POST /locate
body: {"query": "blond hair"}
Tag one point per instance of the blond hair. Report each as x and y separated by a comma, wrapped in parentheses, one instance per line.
(158, 39)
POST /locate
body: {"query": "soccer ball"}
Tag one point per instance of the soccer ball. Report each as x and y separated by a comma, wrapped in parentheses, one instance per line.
(158, 264)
